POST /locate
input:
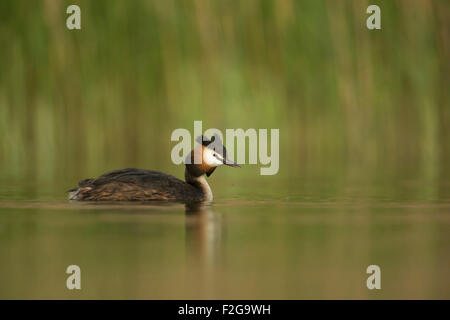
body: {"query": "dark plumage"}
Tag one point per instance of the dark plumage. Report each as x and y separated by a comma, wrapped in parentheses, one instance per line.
(133, 184)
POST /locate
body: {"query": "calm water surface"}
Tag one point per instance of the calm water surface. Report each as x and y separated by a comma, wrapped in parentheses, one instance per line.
(251, 246)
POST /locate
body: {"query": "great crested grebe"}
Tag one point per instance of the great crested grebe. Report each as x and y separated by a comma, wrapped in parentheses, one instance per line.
(143, 185)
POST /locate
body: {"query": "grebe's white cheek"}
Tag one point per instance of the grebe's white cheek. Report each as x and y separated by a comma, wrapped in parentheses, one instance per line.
(208, 157)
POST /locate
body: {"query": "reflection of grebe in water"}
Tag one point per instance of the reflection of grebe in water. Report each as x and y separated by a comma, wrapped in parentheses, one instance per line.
(142, 185)
(203, 242)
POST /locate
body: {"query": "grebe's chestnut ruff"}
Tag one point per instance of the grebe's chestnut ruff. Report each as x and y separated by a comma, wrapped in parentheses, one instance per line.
(143, 185)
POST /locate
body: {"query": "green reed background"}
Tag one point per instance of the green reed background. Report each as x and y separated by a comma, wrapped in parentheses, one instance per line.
(348, 101)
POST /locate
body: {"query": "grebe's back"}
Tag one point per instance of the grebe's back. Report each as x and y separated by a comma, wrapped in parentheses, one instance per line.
(133, 184)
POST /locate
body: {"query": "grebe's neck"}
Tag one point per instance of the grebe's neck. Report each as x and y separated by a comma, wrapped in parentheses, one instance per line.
(198, 180)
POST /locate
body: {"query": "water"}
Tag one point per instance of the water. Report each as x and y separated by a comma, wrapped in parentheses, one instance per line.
(299, 242)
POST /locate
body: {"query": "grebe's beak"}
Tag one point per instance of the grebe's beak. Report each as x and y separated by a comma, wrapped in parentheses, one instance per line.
(230, 163)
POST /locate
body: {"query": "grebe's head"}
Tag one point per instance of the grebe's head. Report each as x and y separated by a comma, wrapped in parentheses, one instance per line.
(211, 153)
